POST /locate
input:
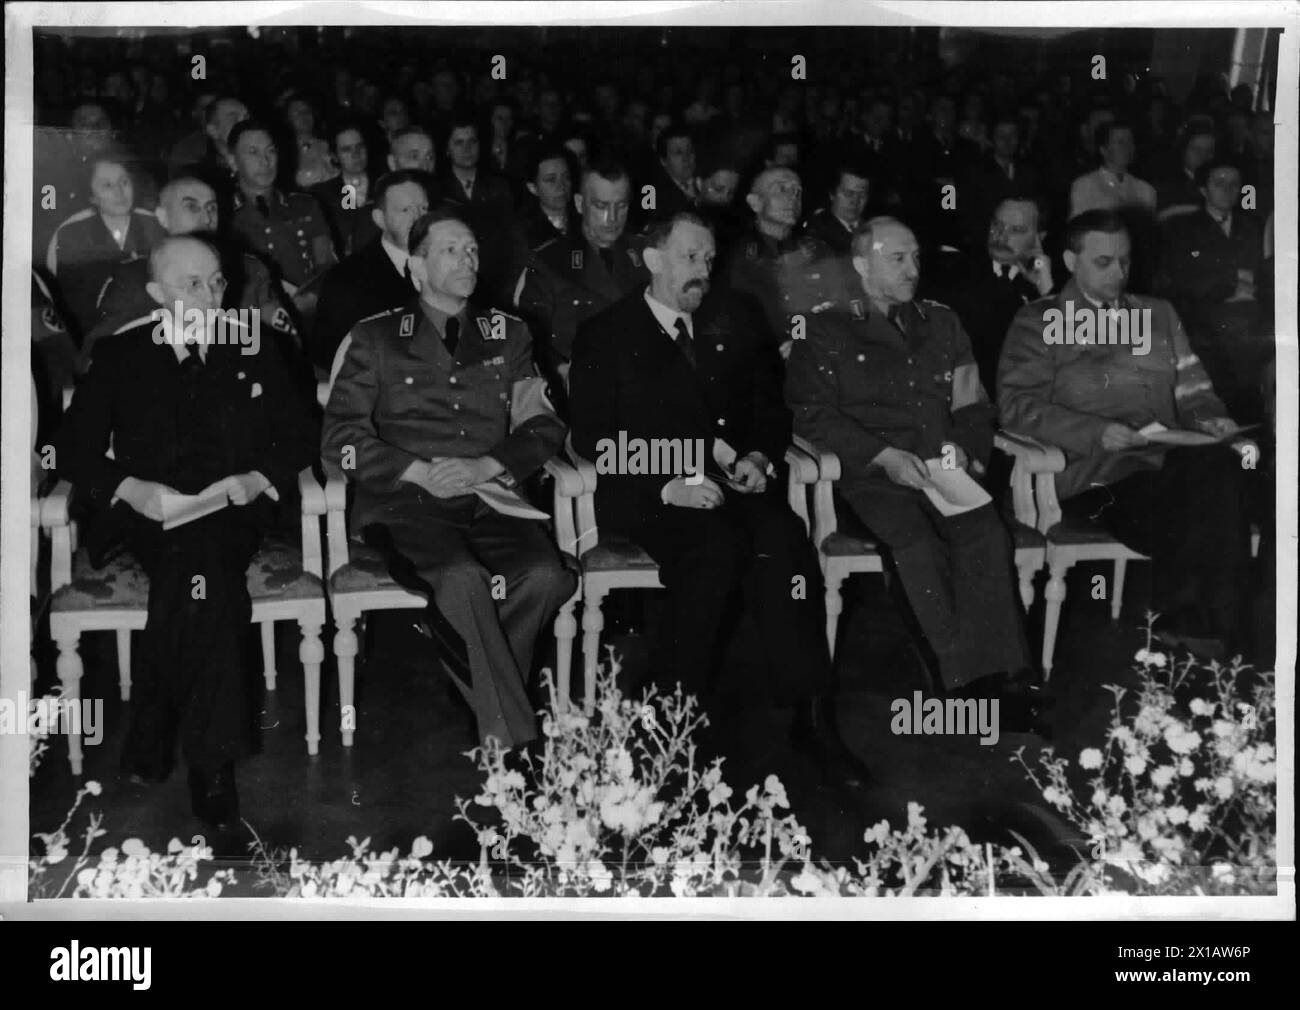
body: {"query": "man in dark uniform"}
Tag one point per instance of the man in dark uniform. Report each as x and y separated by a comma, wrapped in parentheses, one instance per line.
(1211, 265)
(574, 277)
(431, 401)
(187, 206)
(665, 363)
(835, 223)
(549, 214)
(186, 411)
(786, 275)
(890, 386)
(484, 200)
(378, 276)
(288, 230)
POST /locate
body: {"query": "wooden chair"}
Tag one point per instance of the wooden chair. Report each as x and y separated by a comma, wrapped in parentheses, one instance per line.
(359, 581)
(844, 554)
(610, 562)
(284, 582)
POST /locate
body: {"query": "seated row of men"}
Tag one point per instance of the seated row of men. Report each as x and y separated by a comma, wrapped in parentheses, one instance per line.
(436, 394)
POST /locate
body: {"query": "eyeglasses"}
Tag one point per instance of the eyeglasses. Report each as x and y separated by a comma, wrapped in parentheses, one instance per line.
(196, 286)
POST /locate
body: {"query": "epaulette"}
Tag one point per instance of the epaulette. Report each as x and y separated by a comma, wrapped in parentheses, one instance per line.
(500, 312)
(380, 315)
(134, 323)
(938, 305)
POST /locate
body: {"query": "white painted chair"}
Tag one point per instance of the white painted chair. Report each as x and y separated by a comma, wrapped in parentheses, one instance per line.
(615, 562)
(359, 581)
(284, 582)
(843, 554)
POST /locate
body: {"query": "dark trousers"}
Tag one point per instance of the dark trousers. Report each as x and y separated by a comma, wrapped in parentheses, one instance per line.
(752, 543)
(495, 580)
(190, 679)
(1189, 517)
(958, 575)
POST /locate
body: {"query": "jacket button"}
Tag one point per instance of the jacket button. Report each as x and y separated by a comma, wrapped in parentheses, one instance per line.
(409, 380)
(722, 422)
(453, 380)
(455, 406)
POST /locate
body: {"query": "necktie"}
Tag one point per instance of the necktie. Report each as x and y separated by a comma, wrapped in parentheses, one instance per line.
(607, 257)
(263, 207)
(192, 365)
(451, 336)
(683, 340)
(406, 272)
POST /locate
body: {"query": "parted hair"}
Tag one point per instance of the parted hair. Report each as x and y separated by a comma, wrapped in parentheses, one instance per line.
(425, 222)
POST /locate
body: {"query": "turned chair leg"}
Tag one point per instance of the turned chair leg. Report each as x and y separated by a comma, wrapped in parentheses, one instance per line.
(124, 662)
(593, 623)
(834, 606)
(566, 630)
(1054, 594)
(311, 653)
(345, 653)
(1026, 566)
(1117, 590)
(268, 654)
(69, 669)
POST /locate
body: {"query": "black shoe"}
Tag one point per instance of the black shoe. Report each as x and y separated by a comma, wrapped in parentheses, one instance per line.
(214, 798)
(1022, 706)
(815, 735)
(143, 773)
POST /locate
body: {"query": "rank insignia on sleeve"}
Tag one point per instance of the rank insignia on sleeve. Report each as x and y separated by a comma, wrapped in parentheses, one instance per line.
(855, 306)
(407, 326)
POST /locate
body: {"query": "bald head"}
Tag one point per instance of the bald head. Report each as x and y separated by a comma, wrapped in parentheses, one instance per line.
(887, 259)
(187, 205)
(185, 270)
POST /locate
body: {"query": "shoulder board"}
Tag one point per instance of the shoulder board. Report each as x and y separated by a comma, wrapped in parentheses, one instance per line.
(134, 323)
(500, 312)
(81, 215)
(937, 305)
(145, 213)
(381, 315)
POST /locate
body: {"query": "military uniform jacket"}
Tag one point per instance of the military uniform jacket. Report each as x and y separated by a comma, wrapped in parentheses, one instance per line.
(83, 254)
(1066, 394)
(857, 385)
(789, 278)
(400, 397)
(568, 283)
(292, 235)
(827, 229)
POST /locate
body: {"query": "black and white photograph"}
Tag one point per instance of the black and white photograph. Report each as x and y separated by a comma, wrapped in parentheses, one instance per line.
(804, 460)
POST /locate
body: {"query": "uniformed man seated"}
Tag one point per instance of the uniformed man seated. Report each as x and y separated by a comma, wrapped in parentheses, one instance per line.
(1182, 507)
(431, 401)
(785, 274)
(288, 230)
(574, 276)
(890, 385)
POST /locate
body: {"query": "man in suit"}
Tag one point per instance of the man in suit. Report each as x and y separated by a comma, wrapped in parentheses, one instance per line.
(550, 213)
(1011, 271)
(835, 223)
(186, 407)
(349, 197)
(674, 179)
(376, 277)
(484, 200)
(574, 277)
(1212, 262)
(890, 386)
(1182, 507)
(432, 400)
(664, 363)
(997, 175)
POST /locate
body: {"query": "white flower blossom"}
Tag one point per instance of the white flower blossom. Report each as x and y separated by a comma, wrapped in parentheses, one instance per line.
(1200, 706)
(1162, 776)
(1150, 658)
(1090, 758)
(1135, 764)
(1223, 787)
(1177, 815)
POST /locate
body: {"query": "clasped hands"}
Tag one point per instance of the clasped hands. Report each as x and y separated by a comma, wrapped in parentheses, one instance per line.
(449, 476)
(749, 475)
(908, 469)
(146, 496)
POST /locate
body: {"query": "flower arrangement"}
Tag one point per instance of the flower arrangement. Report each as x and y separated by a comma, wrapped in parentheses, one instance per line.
(1179, 800)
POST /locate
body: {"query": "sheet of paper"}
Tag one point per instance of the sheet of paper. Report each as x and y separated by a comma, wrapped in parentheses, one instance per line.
(180, 509)
(953, 492)
(507, 502)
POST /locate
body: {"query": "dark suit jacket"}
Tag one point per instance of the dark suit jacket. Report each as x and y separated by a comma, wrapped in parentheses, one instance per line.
(352, 228)
(986, 304)
(362, 285)
(133, 395)
(628, 375)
